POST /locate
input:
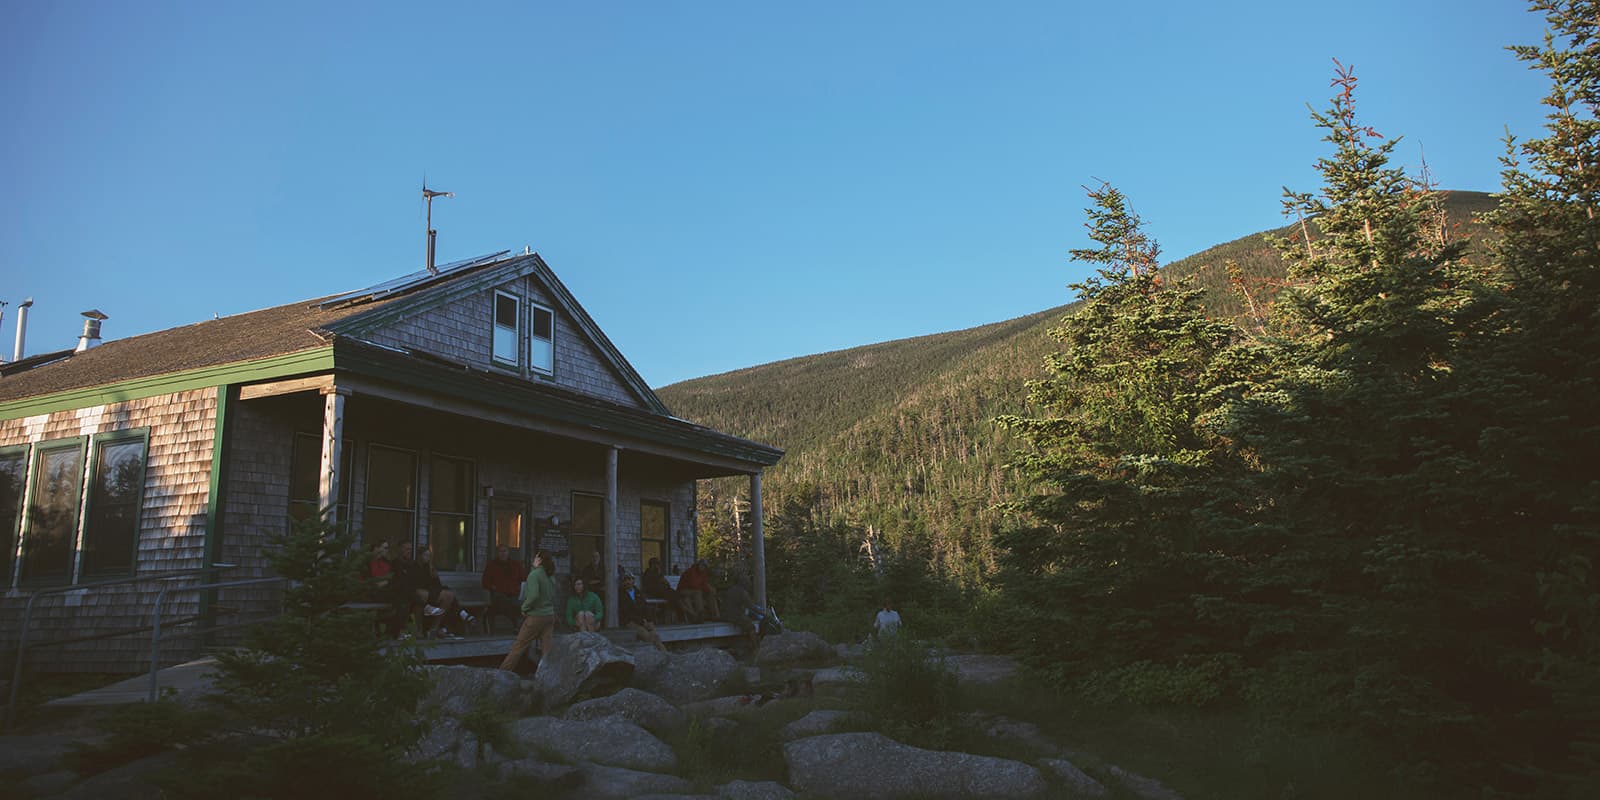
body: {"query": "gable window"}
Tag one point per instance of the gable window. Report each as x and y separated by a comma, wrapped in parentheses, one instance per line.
(653, 518)
(507, 332)
(587, 534)
(542, 339)
(111, 528)
(13, 477)
(391, 511)
(450, 501)
(53, 513)
(305, 477)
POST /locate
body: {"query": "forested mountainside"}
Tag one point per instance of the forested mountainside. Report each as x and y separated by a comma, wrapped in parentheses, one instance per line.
(896, 440)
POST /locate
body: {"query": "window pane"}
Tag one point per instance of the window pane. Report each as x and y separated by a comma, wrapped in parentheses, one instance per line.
(13, 468)
(505, 310)
(588, 515)
(505, 328)
(450, 486)
(386, 526)
(53, 516)
(112, 530)
(541, 345)
(391, 478)
(653, 533)
(305, 475)
(447, 534)
(508, 522)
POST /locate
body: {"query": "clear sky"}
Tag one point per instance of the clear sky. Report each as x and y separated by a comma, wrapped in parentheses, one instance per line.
(720, 184)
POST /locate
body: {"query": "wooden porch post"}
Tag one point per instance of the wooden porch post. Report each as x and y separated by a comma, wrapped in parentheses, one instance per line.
(760, 566)
(611, 538)
(332, 455)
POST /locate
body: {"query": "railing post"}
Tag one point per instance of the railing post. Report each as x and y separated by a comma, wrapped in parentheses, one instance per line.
(155, 643)
(22, 652)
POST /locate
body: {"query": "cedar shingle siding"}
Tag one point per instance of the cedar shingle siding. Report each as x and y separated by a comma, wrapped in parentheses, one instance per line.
(171, 529)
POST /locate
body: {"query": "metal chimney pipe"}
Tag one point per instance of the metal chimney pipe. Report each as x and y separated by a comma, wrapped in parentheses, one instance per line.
(22, 329)
(91, 330)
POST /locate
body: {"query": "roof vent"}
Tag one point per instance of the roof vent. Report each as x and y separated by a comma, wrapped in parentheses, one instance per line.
(91, 330)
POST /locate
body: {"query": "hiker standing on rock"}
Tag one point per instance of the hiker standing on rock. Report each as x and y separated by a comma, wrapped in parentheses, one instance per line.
(539, 606)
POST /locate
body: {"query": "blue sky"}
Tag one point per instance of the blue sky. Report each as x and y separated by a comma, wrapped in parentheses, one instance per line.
(720, 184)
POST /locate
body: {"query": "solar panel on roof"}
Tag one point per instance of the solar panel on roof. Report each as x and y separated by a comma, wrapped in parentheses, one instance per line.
(406, 283)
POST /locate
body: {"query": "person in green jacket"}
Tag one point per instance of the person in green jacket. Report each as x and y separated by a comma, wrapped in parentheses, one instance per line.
(584, 609)
(538, 602)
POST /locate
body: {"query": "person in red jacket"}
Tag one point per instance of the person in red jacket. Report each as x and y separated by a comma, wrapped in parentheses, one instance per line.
(503, 578)
(694, 588)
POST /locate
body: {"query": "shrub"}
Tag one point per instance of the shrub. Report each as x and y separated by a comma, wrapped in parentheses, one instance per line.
(906, 683)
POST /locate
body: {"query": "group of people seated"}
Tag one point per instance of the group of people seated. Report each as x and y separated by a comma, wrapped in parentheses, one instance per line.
(410, 585)
(527, 597)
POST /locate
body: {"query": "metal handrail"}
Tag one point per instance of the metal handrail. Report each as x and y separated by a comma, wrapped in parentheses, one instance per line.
(161, 597)
(27, 617)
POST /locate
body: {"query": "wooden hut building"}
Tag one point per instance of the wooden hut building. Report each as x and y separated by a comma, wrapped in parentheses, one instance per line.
(465, 407)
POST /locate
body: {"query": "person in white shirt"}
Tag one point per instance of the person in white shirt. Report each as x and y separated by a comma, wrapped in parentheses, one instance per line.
(887, 623)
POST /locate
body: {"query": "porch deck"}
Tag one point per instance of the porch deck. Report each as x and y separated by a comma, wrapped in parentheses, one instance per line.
(194, 676)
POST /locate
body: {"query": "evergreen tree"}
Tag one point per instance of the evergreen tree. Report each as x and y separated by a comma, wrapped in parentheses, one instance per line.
(1115, 566)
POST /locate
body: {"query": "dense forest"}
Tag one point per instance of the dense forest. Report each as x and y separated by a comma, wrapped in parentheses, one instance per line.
(1344, 470)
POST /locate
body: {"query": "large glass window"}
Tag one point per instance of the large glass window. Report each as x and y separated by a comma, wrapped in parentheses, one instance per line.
(542, 339)
(506, 331)
(587, 534)
(450, 502)
(653, 518)
(111, 532)
(53, 514)
(391, 511)
(13, 477)
(305, 476)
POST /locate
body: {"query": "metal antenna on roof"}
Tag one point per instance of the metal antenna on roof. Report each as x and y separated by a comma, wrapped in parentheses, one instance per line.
(427, 196)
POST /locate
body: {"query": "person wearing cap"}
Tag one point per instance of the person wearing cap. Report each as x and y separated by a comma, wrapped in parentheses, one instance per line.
(694, 588)
(632, 613)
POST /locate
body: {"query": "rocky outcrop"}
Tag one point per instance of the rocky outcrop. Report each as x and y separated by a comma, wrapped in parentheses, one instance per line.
(848, 765)
(456, 689)
(694, 675)
(1141, 787)
(612, 742)
(581, 665)
(640, 707)
(793, 647)
(814, 724)
(601, 781)
(754, 790)
(1075, 781)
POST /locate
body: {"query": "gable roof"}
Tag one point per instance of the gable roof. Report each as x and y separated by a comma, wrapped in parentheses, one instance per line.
(303, 327)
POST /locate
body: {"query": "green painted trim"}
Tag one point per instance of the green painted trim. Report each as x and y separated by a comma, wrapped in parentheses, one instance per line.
(317, 359)
(217, 494)
(11, 558)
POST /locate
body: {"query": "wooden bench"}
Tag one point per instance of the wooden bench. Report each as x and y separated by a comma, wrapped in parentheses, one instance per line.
(469, 591)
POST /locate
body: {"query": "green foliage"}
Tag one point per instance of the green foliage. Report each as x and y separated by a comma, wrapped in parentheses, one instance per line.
(139, 730)
(332, 713)
(907, 687)
(1197, 684)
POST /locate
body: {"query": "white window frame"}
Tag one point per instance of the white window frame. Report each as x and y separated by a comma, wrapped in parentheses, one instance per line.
(539, 346)
(514, 357)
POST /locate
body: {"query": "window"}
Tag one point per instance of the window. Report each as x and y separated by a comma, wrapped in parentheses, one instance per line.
(587, 534)
(510, 517)
(506, 331)
(450, 502)
(542, 339)
(391, 496)
(13, 474)
(305, 476)
(53, 513)
(653, 518)
(111, 530)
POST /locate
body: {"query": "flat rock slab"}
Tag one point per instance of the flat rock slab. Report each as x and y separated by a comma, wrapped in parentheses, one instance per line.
(688, 677)
(871, 765)
(457, 689)
(615, 782)
(612, 742)
(1075, 780)
(814, 724)
(793, 647)
(1141, 787)
(754, 790)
